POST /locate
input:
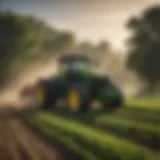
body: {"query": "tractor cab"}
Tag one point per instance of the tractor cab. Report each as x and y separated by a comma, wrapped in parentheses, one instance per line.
(74, 62)
(75, 67)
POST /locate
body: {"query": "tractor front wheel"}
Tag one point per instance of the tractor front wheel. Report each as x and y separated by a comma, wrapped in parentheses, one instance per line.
(113, 104)
(78, 98)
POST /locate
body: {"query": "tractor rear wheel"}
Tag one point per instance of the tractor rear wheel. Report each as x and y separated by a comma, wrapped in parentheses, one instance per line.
(45, 93)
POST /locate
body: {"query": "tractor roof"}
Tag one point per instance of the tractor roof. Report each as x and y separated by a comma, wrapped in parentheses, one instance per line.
(71, 58)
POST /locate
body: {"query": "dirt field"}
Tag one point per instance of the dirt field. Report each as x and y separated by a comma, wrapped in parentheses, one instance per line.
(17, 142)
(20, 141)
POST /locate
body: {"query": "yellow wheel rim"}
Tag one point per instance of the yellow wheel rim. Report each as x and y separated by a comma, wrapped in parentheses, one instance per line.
(40, 94)
(74, 100)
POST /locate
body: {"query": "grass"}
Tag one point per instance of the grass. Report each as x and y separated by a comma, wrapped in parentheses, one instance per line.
(89, 142)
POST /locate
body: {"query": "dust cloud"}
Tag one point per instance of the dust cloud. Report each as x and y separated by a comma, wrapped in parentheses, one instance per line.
(29, 75)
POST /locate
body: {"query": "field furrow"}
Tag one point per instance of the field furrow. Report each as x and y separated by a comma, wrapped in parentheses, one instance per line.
(90, 142)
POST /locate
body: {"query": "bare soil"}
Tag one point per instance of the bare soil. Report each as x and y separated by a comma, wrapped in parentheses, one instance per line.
(17, 142)
(21, 141)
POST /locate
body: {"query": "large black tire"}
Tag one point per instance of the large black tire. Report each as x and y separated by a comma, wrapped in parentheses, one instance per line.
(84, 95)
(49, 98)
(113, 104)
(104, 82)
(51, 92)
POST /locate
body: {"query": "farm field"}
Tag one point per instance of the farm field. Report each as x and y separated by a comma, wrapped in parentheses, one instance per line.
(57, 58)
(130, 133)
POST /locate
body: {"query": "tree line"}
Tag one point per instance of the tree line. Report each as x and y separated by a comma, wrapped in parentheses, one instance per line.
(144, 47)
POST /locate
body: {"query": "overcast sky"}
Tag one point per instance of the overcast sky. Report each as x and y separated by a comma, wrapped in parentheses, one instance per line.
(90, 19)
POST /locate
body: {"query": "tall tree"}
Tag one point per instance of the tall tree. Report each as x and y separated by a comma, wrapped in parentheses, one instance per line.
(144, 45)
(25, 39)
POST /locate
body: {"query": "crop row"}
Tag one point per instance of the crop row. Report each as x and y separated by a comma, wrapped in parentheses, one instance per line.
(139, 116)
(148, 103)
(89, 142)
(142, 131)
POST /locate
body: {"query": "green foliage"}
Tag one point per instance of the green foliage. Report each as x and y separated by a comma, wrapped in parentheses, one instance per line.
(26, 39)
(20, 38)
(88, 142)
(144, 45)
(139, 115)
(146, 132)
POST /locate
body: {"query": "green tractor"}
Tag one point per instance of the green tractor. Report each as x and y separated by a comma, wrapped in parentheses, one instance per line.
(79, 85)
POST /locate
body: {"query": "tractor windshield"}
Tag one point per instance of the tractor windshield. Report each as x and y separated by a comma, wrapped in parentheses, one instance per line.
(76, 63)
